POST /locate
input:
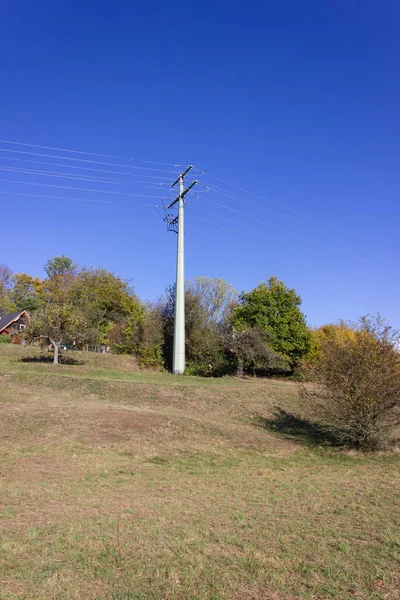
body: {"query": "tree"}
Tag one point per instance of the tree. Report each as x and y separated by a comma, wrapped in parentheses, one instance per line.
(141, 335)
(6, 283)
(251, 351)
(59, 265)
(207, 303)
(58, 323)
(203, 347)
(106, 300)
(357, 383)
(274, 309)
(82, 306)
(27, 292)
(151, 337)
(61, 272)
(216, 296)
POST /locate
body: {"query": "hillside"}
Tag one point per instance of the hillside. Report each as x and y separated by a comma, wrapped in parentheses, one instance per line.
(123, 484)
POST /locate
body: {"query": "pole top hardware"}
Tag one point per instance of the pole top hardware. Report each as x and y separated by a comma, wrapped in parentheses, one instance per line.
(182, 175)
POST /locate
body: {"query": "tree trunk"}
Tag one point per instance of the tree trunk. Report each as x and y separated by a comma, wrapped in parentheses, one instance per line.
(56, 348)
(240, 368)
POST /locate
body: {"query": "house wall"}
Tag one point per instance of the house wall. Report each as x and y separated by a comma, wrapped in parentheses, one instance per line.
(15, 328)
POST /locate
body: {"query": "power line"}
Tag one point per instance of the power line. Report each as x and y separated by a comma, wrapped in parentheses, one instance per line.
(57, 174)
(66, 187)
(236, 223)
(57, 197)
(297, 212)
(331, 249)
(249, 202)
(71, 199)
(97, 162)
(214, 223)
(256, 205)
(230, 195)
(42, 162)
(240, 212)
(154, 162)
(78, 177)
(284, 230)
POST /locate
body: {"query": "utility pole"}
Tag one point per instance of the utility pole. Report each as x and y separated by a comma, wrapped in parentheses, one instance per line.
(177, 224)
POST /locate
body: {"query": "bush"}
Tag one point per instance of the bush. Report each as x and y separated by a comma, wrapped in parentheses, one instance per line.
(5, 339)
(357, 385)
(150, 355)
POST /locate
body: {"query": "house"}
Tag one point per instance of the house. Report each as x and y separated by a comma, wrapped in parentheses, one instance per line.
(14, 322)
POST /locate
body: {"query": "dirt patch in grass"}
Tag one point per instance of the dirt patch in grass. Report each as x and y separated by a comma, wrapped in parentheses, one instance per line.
(112, 425)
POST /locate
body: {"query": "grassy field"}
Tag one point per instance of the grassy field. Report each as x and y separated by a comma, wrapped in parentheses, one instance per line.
(126, 485)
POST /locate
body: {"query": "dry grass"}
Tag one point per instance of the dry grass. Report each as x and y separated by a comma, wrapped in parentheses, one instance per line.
(119, 484)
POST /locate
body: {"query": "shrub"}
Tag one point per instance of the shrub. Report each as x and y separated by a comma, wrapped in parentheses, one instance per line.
(150, 355)
(5, 339)
(357, 384)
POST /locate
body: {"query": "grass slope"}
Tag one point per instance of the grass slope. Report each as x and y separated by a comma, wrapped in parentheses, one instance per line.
(120, 484)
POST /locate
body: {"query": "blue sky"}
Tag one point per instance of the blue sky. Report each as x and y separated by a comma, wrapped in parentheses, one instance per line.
(295, 102)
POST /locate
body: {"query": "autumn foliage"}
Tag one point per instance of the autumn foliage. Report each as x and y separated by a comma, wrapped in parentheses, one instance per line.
(356, 389)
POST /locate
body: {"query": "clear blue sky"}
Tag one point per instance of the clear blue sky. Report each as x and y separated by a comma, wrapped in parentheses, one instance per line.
(297, 102)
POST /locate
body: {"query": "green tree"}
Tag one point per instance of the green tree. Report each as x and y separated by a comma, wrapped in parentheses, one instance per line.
(107, 300)
(59, 265)
(82, 305)
(61, 273)
(140, 334)
(151, 337)
(274, 309)
(27, 293)
(58, 323)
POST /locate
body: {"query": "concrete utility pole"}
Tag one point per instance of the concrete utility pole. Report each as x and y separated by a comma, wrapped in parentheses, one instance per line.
(178, 365)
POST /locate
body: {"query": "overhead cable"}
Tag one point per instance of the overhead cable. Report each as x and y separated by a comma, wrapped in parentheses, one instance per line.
(46, 163)
(71, 199)
(35, 172)
(85, 160)
(154, 162)
(236, 223)
(66, 187)
(290, 209)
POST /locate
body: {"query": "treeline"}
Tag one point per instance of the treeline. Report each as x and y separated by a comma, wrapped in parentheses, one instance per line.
(258, 332)
(351, 370)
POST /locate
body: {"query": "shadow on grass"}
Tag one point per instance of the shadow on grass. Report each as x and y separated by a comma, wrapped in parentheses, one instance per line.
(293, 427)
(43, 358)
